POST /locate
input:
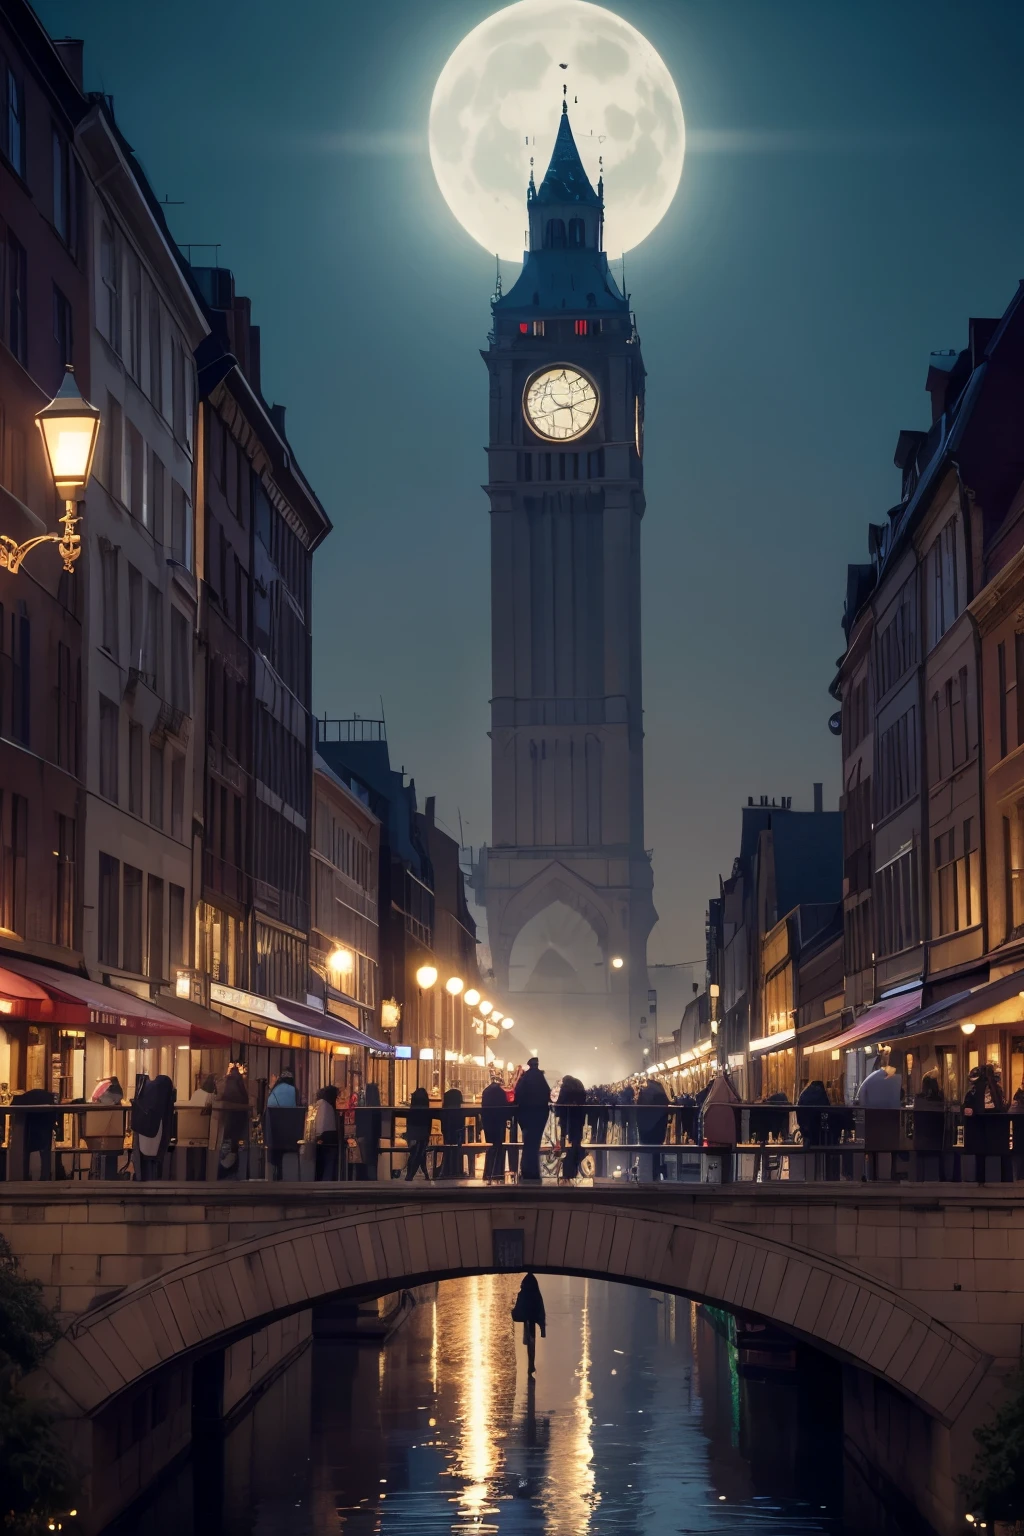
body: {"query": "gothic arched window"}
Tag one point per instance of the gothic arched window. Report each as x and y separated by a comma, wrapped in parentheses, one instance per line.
(554, 235)
(577, 232)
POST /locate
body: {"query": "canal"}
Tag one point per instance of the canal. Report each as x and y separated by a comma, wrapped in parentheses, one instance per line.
(638, 1424)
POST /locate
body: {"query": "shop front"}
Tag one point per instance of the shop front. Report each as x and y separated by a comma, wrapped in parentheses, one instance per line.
(65, 1033)
(775, 1055)
(952, 1037)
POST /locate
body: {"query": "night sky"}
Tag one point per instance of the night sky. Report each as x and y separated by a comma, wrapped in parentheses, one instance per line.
(852, 193)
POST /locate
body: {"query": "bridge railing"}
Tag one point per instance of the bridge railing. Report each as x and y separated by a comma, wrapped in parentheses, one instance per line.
(609, 1142)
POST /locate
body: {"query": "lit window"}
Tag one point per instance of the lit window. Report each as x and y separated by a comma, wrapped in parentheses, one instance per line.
(582, 327)
(538, 327)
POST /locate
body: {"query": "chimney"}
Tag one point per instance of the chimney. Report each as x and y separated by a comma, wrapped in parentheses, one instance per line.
(428, 809)
(70, 51)
(277, 417)
(817, 798)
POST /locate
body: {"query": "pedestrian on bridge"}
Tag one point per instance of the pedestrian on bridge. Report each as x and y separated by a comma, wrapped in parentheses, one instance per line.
(495, 1115)
(570, 1109)
(652, 1122)
(325, 1133)
(533, 1098)
(529, 1310)
(418, 1121)
(453, 1134)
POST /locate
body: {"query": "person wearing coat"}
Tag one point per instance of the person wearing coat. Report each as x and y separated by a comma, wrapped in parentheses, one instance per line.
(652, 1121)
(718, 1121)
(495, 1113)
(571, 1114)
(152, 1123)
(929, 1129)
(325, 1133)
(232, 1110)
(533, 1097)
(283, 1095)
(418, 1122)
(453, 1134)
(986, 1127)
(880, 1096)
(529, 1310)
(369, 1119)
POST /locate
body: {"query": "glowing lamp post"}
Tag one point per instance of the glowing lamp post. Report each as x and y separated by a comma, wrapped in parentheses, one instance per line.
(453, 986)
(69, 427)
(472, 997)
(426, 977)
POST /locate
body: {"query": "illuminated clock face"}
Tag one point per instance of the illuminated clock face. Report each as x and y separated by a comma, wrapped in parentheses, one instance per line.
(560, 404)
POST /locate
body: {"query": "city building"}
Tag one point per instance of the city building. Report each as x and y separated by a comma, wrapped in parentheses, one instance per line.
(344, 943)
(465, 1041)
(44, 324)
(929, 720)
(567, 881)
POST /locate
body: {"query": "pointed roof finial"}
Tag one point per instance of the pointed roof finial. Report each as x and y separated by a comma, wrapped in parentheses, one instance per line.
(565, 180)
(565, 104)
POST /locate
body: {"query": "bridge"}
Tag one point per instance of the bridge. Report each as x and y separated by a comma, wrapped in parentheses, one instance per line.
(919, 1289)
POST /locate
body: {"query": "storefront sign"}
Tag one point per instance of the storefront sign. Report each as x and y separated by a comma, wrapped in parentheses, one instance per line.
(233, 997)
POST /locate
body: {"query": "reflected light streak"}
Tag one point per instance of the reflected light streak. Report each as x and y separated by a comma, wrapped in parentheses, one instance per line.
(574, 1501)
(433, 1346)
(476, 1455)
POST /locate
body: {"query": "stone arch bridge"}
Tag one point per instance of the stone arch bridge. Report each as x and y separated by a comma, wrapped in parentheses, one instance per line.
(920, 1287)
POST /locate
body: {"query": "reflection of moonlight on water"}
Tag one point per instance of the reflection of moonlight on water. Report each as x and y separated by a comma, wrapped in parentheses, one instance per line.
(497, 102)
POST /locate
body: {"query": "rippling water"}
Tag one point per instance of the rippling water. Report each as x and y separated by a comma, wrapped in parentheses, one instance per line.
(637, 1425)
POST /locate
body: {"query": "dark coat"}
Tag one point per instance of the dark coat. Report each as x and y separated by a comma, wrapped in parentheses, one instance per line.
(453, 1123)
(652, 1114)
(529, 1307)
(813, 1125)
(369, 1119)
(418, 1117)
(986, 1131)
(495, 1111)
(570, 1108)
(532, 1089)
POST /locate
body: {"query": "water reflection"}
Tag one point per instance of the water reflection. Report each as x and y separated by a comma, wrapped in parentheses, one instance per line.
(637, 1424)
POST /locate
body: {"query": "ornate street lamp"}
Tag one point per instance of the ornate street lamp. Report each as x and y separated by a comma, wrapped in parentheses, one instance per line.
(69, 427)
(453, 986)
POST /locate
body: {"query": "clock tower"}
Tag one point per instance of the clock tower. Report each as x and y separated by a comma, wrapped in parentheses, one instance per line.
(566, 881)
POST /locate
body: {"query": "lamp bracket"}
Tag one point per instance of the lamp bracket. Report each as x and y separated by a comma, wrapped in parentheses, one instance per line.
(68, 542)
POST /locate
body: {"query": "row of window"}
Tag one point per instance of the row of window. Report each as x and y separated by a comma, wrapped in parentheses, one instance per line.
(562, 466)
(146, 608)
(227, 579)
(896, 765)
(342, 848)
(557, 327)
(137, 478)
(132, 318)
(56, 736)
(131, 922)
(146, 763)
(14, 856)
(957, 879)
(66, 193)
(281, 761)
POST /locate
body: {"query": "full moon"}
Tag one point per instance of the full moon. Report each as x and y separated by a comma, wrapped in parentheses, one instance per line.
(497, 103)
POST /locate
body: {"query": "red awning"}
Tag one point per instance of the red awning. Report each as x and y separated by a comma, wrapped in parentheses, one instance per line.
(21, 998)
(108, 1010)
